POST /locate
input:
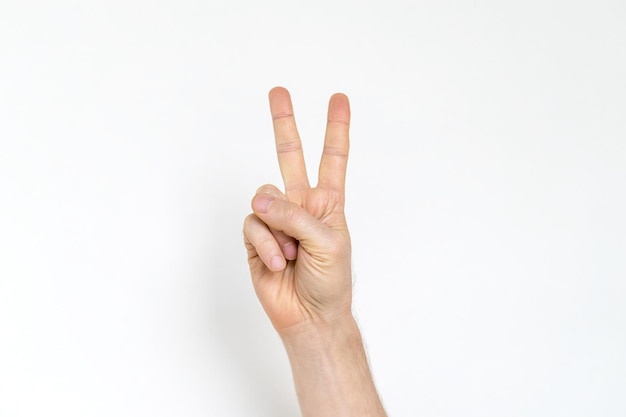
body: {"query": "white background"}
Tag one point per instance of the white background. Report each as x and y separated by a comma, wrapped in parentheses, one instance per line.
(486, 200)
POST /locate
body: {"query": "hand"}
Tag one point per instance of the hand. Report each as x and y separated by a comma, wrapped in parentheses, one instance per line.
(298, 243)
(299, 254)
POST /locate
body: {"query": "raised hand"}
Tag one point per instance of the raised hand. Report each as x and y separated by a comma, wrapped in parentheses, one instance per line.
(299, 254)
(297, 241)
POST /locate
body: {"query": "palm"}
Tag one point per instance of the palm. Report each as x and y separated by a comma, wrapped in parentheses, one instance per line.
(319, 276)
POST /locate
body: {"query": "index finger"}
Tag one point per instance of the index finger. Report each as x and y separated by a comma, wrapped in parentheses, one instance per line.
(288, 145)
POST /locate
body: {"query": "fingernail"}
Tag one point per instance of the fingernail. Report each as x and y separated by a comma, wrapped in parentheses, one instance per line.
(262, 202)
(277, 263)
(290, 250)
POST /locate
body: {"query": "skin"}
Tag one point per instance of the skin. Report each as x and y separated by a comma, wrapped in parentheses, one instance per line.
(299, 255)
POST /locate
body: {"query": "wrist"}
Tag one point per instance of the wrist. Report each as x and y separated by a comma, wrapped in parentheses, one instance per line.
(325, 346)
(330, 369)
(320, 332)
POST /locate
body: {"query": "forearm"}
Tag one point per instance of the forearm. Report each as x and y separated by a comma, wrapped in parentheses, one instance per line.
(330, 370)
(298, 249)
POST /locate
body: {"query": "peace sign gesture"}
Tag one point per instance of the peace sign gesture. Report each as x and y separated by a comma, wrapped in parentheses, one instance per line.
(297, 242)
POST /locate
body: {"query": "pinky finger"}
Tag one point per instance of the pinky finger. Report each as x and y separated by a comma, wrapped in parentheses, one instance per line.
(258, 236)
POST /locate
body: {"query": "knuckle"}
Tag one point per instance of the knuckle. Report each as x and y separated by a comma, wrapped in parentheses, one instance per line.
(270, 245)
(288, 146)
(264, 188)
(337, 151)
(269, 189)
(293, 215)
(282, 115)
(247, 222)
(339, 120)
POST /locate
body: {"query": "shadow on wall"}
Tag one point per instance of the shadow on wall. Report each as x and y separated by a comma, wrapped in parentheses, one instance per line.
(250, 348)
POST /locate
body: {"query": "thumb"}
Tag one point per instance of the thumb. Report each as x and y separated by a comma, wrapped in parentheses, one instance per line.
(290, 218)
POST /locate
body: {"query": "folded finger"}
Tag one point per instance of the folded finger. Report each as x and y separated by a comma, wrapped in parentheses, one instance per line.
(259, 236)
(291, 219)
(288, 244)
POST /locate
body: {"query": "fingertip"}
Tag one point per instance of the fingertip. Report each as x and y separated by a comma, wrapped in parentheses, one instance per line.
(339, 101)
(339, 108)
(339, 97)
(277, 263)
(278, 91)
